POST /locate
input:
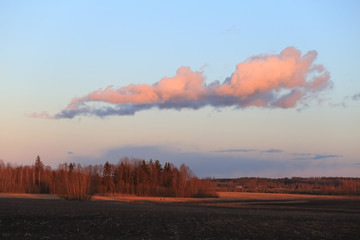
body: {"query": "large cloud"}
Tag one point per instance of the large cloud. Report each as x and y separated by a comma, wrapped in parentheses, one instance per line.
(271, 81)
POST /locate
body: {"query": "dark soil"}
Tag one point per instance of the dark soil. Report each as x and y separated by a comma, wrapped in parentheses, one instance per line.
(61, 219)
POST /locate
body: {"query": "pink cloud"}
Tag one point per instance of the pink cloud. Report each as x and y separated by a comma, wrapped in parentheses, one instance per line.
(290, 100)
(43, 115)
(186, 84)
(278, 80)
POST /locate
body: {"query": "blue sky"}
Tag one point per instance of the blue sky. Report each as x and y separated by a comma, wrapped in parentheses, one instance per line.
(51, 52)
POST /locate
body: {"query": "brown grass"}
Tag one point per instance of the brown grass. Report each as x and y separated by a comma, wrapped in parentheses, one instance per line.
(274, 196)
(223, 197)
(26, 195)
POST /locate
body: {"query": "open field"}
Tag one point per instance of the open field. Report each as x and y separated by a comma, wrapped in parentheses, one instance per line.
(231, 216)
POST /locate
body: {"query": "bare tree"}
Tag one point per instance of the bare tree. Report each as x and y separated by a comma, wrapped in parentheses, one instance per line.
(39, 167)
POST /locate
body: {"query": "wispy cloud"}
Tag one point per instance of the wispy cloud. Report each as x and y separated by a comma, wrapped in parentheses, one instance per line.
(273, 151)
(233, 29)
(271, 81)
(244, 150)
(326, 156)
(344, 103)
(356, 97)
(340, 104)
(303, 154)
(234, 150)
(309, 156)
(44, 115)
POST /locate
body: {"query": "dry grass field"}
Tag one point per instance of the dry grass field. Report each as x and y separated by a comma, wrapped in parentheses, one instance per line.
(231, 216)
(223, 197)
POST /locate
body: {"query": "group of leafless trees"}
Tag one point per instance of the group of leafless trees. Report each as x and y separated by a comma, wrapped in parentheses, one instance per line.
(311, 185)
(129, 176)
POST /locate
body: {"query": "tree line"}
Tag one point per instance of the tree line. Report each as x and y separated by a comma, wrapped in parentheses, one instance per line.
(128, 176)
(311, 185)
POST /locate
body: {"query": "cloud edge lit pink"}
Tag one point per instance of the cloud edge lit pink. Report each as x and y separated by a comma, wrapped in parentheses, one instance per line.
(270, 81)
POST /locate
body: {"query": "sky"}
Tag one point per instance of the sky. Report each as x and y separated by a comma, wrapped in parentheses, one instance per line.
(230, 88)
